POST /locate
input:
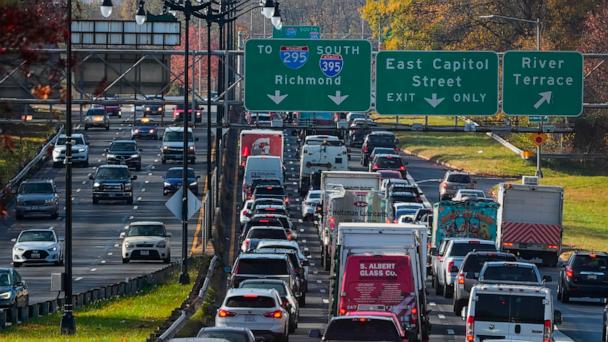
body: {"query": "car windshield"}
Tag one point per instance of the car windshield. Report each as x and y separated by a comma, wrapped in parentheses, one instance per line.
(177, 173)
(176, 136)
(5, 278)
(277, 286)
(123, 146)
(510, 308)
(474, 263)
(36, 188)
(146, 230)
(381, 139)
(33, 236)
(75, 141)
(270, 210)
(510, 273)
(112, 173)
(389, 163)
(96, 111)
(264, 266)
(232, 336)
(459, 178)
(357, 329)
(462, 249)
(403, 197)
(250, 301)
(401, 212)
(276, 234)
(314, 195)
(390, 174)
(588, 263)
(383, 150)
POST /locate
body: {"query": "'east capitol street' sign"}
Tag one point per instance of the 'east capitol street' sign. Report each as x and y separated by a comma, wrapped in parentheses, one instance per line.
(543, 83)
(307, 75)
(437, 82)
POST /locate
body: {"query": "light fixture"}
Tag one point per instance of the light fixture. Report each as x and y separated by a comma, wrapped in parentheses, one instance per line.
(280, 26)
(276, 16)
(106, 8)
(268, 9)
(140, 17)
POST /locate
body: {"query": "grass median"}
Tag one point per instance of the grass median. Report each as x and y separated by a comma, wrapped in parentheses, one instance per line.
(131, 318)
(585, 187)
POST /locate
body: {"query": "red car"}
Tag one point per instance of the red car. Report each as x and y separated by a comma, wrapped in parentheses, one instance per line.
(178, 113)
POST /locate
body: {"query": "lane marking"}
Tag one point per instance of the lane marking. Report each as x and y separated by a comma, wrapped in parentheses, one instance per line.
(432, 303)
(116, 245)
(78, 279)
(93, 269)
(450, 332)
(110, 253)
(103, 261)
(325, 301)
(441, 316)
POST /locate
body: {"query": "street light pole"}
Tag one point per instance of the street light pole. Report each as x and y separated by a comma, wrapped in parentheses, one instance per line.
(68, 324)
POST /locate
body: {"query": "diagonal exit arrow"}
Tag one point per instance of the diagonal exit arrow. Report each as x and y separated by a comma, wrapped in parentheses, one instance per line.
(277, 97)
(544, 97)
(434, 101)
(338, 98)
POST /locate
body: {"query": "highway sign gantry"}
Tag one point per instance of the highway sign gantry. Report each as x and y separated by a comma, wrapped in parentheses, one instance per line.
(307, 75)
(437, 82)
(543, 83)
(297, 32)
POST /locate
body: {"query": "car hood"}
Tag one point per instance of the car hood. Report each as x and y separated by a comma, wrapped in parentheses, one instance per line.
(6, 289)
(144, 239)
(176, 144)
(35, 197)
(35, 244)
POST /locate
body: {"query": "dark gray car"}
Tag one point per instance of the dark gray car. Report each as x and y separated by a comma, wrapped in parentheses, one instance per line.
(37, 197)
(468, 275)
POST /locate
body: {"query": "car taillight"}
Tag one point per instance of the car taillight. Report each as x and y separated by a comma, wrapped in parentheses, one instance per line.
(444, 185)
(461, 278)
(547, 331)
(402, 168)
(274, 314)
(569, 272)
(289, 236)
(332, 223)
(397, 149)
(450, 266)
(375, 167)
(225, 313)
(414, 316)
(286, 200)
(246, 244)
(469, 329)
(364, 149)
(552, 246)
(342, 311)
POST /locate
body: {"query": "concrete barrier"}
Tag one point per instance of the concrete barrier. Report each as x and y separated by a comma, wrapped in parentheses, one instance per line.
(52, 306)
(12, 315)
(44, 308)
(2, 318)
(23, 313)
(33, 310)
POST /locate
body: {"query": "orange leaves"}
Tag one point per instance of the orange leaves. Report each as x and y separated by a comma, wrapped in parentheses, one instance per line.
(42, 92)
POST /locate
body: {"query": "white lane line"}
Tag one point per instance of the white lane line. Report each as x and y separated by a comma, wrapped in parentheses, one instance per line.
(147, 181)
(319, 282)
(156, 160)
(116, 245)
(322, 290)
(93, 269)
(432, 303)
(77, 190)
(135, 207)
(325, 301)
(126, 226)
(303, 241)
(441, 316)
(305, 248)
(78, 279)
(139, 198)
(131, 217)
(301, 230)
(149, 173)
(103, 261)
(301, 221)
(84, 182)
(143, 189)
(450, 332)
(110, 253)
(312, 264)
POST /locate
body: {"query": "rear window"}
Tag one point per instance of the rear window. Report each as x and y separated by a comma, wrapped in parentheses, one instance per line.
(462, 249)
(279, 211)
(514, 309)
(381, 140)
(279, 287)
(510, 273)
(252, 301)
(232, 336)
(262, 266)
(459, 178)
(587, 263)
(474, 263)
(277, 234)
(269, 191)
(265, 222)
(362, 330)
(389, 162)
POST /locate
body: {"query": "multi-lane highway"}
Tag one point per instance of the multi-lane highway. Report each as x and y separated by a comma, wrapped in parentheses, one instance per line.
(96, 228)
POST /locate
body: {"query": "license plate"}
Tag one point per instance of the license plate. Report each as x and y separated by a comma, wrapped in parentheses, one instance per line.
(35, 255)
(370, 307)
(144, 252)
(592, 277)
(250, 318)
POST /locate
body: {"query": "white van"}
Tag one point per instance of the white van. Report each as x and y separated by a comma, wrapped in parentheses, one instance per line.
(510, 312)
(261, 167)
(322, 157)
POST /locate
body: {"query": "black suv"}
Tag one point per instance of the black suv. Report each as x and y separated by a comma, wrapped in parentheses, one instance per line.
(377, 139)
(112, 182)
(124, 152)
(585, 274)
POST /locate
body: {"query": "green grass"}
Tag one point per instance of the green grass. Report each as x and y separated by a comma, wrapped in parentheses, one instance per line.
(131, 318)
(585, 187)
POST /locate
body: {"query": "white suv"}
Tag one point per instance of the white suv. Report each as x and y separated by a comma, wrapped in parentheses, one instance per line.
(146, 240)
(259, 310)
(80, 150)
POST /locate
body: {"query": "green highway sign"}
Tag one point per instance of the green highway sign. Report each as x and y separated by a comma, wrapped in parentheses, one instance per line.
(543, 83)
(297, 32)
(436, 82)
(307, 75)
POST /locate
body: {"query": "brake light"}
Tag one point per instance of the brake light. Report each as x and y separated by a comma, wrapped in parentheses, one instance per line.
(414, 310)
(507, 244)
(552, 246)
(413, 316)
(402, 168)
(246, 152)
(444, 185)
(470, 329)
(397, 149)
(450, 266)
(250, 296)
(375, 167)
(364, 149)
(547, 331)
(332, 223)
(289, 236)
(460, 278)
(342, 311)
(473, 242)
(264, 221)
(569, 272)
(274, 314)
(286, 200)
(225, 313)
(246, 244)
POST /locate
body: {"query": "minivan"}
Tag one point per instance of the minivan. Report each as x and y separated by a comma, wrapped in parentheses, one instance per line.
(261, 167)
(510, 312)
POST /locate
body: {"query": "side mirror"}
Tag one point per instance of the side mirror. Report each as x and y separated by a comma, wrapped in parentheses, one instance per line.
(134, 177)
(557, 317)
(168, 235)
(305, 263)
(315, 333)
(122, 235)
(141, 150)
(91, 177)
(433, 251)
(547, 279)
(106, 149)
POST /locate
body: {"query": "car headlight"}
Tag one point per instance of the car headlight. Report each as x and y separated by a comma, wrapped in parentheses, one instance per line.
(109, 155)
(166, 184)
(165, 147)
(136, 131)
(148, 108)
(193, 184)
(6, 295)
(127, 187)
(160, 109)
(96, 185)
(52, 249)
(151, 131)
(161, 244)
(191, 148)
(134, 155)
(82, 149)
(19, 249)
(129, 245)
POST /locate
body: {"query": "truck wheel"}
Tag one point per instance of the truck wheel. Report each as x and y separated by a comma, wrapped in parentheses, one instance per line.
(448, 291)
(457, 306)
(302, 300)
(438, 289)
(562, 294)
(163, 161)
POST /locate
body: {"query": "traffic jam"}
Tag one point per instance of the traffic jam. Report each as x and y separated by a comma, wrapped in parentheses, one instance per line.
(332, 219)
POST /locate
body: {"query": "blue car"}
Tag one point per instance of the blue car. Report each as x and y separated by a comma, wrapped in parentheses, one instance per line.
(173, 180)
(144, 128)
(13, 290)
